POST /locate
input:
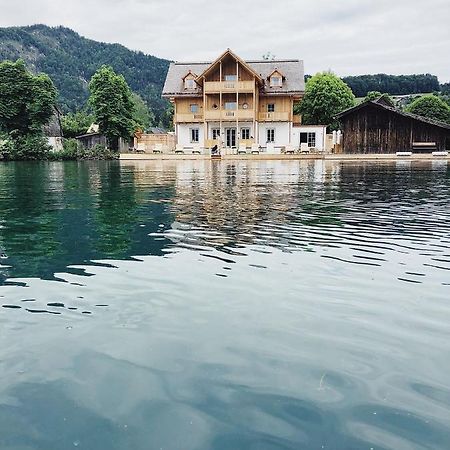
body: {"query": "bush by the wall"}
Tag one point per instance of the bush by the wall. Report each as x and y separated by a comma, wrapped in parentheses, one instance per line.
(30, 147)
(72, 150)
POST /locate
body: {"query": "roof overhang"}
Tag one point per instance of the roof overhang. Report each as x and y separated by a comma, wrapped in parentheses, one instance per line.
(382, 105)
(228, 52)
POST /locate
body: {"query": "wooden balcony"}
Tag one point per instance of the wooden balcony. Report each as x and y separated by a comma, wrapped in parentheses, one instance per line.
(274, 117)
(297, 120)
(188, 117)
(225, 114)
(214, 87)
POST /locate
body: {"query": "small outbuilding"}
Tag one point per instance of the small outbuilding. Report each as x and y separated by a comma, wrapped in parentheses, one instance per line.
(377, 127)
(94, 137)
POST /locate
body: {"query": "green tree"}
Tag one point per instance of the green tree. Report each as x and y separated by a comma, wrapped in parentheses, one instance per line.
(325, 96)
(376, 95)
(27, 101)
(112, 102)
(75, 124)
(167, 118)
(431, 107)
(143, 115)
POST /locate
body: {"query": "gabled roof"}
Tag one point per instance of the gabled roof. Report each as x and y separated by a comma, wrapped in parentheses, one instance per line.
(190, 73)
(381, 104)
(228, 52)
(275, 71)
(292, 70)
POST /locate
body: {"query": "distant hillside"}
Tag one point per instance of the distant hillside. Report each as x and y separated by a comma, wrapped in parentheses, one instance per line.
(70, 60)
(393, 84)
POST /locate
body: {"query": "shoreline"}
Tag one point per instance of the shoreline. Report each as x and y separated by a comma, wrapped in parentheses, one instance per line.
(265, 157)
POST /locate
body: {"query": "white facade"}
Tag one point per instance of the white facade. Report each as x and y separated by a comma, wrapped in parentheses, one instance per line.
(280, 134)
(184, 135)
(313, 135)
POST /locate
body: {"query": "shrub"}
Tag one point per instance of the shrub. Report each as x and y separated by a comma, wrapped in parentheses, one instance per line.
(73, 151)
(31, 148)
(70, 151)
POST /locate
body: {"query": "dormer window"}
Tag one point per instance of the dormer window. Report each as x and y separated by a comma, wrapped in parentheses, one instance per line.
(189, 83)
(276, 81)
(189, 80)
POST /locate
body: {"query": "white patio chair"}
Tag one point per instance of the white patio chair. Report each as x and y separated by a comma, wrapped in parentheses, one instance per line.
(290, 149)
(304, 148)
(140, 148)
(179, 148)
(242, 150)
(158, 148)
(255, 149)
(270, 148)
(196, 150)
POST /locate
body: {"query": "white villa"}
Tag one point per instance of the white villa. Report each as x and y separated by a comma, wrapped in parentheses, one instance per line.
(238, 104)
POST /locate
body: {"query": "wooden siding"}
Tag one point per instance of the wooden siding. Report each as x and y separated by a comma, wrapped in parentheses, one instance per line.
(228, 86)
(283, 109)
(374, 130)
(148, 141)
(183, 111)
(229, 68)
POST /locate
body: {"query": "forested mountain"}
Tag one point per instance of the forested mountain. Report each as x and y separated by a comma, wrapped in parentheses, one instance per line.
(70, 60)
(393, 84)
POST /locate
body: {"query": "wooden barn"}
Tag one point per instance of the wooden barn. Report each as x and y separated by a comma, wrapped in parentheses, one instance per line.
(377, 127)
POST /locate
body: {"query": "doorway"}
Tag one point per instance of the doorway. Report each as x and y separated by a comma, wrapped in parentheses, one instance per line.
(230, 137)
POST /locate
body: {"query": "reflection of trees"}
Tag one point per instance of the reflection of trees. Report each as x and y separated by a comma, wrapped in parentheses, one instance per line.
(56, 214)
(128, 211)
(27, 215)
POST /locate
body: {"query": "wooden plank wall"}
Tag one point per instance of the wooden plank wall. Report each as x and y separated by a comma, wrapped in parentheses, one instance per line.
(371, 130)
(149, 141)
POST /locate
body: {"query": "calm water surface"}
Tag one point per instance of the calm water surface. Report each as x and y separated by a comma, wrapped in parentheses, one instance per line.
(225, 305)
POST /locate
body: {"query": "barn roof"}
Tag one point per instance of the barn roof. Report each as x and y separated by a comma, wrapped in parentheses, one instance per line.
(381, 104)
(292, 70)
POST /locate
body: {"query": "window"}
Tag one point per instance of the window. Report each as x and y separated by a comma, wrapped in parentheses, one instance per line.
(271, 107)
(276, 81)
(230, 105)
(189, 83)
(308, 138)
(194, 135)
(230, 77)
(194, 108)
(270, 135)
(245, 133)
(215, 133)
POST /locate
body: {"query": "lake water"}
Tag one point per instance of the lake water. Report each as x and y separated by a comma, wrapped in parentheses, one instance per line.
(225, 305)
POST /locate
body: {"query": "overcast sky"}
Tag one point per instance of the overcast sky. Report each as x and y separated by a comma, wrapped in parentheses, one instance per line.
(347, 36)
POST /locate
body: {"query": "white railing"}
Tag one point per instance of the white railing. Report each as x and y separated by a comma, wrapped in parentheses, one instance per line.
(229, 86)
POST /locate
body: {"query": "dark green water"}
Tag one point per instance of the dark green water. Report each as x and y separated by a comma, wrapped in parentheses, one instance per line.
(220, 305)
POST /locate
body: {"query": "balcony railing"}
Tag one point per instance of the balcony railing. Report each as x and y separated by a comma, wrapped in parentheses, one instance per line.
(188, 117)
(228, 86)
(274, 117)
(230, 114)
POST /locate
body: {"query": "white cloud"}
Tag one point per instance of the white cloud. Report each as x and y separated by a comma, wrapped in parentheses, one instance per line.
(348, 36)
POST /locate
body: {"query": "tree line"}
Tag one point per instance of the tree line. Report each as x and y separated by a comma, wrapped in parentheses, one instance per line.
(326, 95)
(393, 84)
(71, 60)
(28, 102)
